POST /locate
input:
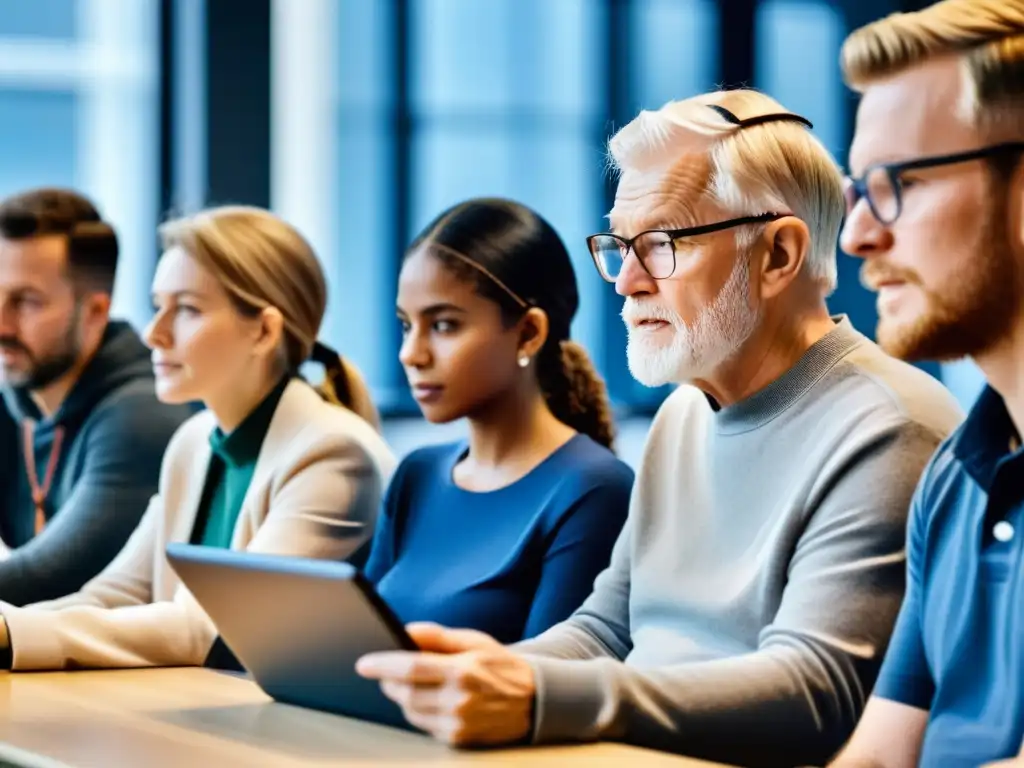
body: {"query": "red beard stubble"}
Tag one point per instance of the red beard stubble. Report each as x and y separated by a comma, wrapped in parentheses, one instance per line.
(972, 310)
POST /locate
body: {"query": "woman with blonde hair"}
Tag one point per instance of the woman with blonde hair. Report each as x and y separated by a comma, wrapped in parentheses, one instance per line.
(271, 465)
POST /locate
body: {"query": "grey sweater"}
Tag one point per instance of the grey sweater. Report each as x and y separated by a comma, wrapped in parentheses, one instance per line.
(751, 595)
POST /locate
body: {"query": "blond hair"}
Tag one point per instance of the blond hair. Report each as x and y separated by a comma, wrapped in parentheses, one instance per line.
(776, 166)
(986, 35)
(261, 261)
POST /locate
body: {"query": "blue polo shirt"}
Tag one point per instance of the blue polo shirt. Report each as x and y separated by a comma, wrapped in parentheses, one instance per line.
(958, 646)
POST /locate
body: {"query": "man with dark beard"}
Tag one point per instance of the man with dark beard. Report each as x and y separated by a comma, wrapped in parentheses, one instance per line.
(936, 210)
(83, 433)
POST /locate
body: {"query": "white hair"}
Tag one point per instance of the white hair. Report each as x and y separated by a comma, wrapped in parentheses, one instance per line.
(776, 167)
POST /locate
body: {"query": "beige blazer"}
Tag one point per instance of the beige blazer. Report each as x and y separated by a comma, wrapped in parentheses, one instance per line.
(315, 492)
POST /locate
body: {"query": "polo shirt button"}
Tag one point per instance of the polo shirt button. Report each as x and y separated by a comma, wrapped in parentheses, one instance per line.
(1003, 531)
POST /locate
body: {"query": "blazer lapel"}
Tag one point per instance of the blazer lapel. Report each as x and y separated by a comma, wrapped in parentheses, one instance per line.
(296, 408)
(198, 468)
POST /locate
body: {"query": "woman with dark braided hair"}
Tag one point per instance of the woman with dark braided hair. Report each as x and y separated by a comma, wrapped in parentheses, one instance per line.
(505, 532)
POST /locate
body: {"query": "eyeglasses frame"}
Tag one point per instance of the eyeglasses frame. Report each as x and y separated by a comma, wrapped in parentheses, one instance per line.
(893, 170)
(673, 235)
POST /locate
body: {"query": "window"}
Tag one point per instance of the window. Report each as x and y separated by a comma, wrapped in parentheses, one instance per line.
(40, 19)
(965, 380)
(797, 62)
(331, 143)
(79, 104)
(40, 123)
(675, 47)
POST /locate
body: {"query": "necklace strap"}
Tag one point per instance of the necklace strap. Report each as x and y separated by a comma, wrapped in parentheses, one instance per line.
(40, 491)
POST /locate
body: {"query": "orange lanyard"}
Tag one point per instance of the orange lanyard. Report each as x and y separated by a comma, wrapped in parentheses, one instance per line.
(39, 492)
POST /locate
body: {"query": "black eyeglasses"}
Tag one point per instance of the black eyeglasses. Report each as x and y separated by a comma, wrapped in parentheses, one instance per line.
(655, 249)
(882, 184)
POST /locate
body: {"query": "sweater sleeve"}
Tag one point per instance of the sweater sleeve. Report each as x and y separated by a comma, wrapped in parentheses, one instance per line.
(580, 550)
(600, 627)
(124, 446)
(798, 696)
(128, 580)
(383, 546)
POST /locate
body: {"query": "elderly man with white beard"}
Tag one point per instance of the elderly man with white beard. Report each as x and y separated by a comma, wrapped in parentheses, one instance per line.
(751, 595)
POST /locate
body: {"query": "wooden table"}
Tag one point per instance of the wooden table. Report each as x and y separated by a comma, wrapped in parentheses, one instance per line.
(197, 718)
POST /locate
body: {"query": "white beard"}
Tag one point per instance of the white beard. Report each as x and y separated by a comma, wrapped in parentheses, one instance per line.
(693, 352)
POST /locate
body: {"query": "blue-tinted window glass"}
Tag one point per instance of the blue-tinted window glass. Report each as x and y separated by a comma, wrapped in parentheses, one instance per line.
(364, 56)
(366, 259)
(965, 380)
(565, 186)
(508, 96)
(38, 18)
(798, 63)
(37, 139)
(463, 54)
(362, 282)
(453, 164)
(504, 55)
(559, 57)
(676, 45)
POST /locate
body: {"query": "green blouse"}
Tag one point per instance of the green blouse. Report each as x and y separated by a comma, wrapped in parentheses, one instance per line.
(231, 468)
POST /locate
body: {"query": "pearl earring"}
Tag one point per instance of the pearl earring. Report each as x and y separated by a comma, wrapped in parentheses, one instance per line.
(524, 361)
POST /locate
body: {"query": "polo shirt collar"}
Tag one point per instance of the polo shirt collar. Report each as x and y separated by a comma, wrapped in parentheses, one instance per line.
(985, 438)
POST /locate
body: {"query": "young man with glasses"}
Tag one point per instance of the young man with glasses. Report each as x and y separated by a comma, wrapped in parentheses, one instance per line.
(936, 211)
(752, 592)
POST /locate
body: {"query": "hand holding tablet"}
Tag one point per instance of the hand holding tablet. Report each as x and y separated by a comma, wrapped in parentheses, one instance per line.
(462, 686)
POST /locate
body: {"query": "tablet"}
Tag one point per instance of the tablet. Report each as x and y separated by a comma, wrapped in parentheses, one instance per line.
(297, 626)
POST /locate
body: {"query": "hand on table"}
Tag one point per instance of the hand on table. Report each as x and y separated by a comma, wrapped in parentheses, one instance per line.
(463, 687)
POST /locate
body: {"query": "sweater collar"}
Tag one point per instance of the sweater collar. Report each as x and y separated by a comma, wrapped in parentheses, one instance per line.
(763, 406)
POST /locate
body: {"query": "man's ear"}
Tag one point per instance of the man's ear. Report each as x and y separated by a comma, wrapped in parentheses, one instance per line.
(271, 328)
(97, 306)
(533, 331)
(788, 243)
(93, 315)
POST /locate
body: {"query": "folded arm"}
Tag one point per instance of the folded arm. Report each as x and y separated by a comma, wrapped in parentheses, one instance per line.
(128, 580)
